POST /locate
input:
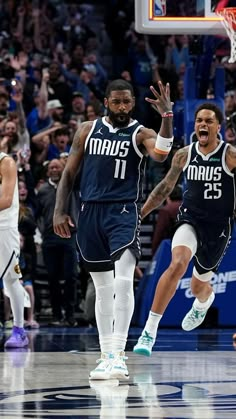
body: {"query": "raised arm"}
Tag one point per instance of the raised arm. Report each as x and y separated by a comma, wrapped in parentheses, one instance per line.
(8, 174)
(163, 189)
(159, 145)
(61, 220)
(37, 138)
(43, 96)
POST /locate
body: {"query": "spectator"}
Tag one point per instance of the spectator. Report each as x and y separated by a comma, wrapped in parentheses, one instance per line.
(229, 102)
(101, 78)
(59, 254)
(39, 118)
(142, 65)
(10, 131)
(55, 110)
(4, 103)
(84, 81)
(57, 88)
(19, 116)
(230, 135)
(93, 111)
(177, 56)
(63, 158)
(77, 57)
(60, 144)
(78, 108)
(117, 23)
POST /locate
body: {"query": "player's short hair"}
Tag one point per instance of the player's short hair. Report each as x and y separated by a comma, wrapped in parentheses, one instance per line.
(118, 84)
(212, 107)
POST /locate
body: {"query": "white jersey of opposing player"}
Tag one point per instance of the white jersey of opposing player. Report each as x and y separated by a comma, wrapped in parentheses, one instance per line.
(9, 216)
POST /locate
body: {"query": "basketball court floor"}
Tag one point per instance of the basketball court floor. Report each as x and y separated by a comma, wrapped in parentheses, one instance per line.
(190, 375)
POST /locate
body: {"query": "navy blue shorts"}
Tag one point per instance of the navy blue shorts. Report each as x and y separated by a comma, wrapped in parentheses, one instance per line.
(105, 230)
(213, 240)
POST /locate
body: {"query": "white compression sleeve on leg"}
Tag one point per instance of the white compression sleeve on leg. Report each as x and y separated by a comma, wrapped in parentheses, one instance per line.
(104, 307)
(185, 235)
(16, 294)
(124, 298)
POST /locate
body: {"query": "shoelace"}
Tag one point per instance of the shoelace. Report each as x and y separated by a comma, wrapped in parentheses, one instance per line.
(120, 361)
(195, 314)
(146, 339)
(105, 359)
(119, 355)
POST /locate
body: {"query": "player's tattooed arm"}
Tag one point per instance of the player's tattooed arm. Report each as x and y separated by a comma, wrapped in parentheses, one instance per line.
(231, 157)
(72, 166)
(62, 222)
(163, 189)
(77, 147)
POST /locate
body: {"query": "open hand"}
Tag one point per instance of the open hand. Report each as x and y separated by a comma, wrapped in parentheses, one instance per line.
(162, 102)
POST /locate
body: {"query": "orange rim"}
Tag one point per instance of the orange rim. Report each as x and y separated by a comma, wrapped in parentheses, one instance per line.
(227, 12)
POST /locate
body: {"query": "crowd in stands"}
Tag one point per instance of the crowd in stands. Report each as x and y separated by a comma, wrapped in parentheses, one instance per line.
(56, 58)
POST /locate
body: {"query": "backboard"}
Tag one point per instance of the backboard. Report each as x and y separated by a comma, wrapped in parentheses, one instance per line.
(173, 17)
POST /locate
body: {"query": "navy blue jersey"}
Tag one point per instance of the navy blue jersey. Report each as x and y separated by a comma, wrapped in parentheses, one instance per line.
(113, 165)
(210, 186)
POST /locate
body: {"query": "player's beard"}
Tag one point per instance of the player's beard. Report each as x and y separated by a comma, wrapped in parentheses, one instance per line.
(119, 120)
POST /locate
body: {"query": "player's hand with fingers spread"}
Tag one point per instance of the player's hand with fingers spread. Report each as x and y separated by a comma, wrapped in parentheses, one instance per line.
(62, 224)
(162, 102)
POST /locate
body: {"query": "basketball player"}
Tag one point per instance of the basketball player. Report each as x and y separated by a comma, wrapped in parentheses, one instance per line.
(204, 221)
(113, 149)
(10, 249)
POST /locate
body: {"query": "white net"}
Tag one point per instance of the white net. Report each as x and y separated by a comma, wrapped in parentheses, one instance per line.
(229, 22)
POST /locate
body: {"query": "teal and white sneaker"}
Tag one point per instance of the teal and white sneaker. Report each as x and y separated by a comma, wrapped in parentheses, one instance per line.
(119, 368)
(195, 317)
(103, 370)
(144, 344)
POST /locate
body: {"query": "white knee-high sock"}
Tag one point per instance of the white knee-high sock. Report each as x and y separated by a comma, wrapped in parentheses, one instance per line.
(16, 294)
(104, 307)
(124, 299)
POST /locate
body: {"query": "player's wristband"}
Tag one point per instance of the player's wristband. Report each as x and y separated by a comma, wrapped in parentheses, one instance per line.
(168, 114)
(163, 145)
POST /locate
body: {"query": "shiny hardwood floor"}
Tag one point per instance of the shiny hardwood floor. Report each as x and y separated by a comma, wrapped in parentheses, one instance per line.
(189, 375)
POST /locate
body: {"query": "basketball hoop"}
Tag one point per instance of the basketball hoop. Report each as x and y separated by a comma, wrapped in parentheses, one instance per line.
(229, 22)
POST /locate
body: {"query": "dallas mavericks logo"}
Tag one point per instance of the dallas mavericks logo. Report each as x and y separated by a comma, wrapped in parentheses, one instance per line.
(205, 173)
(107, 147)
(160, 7)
